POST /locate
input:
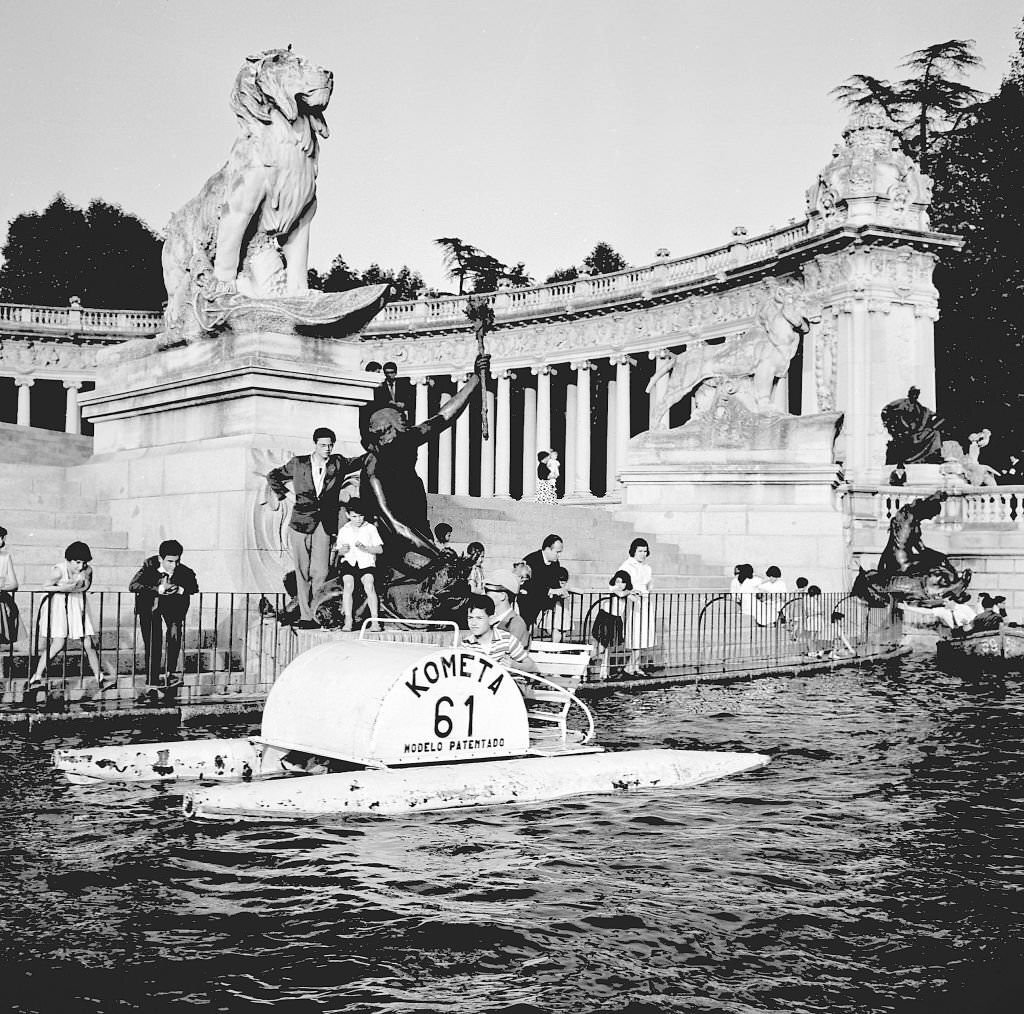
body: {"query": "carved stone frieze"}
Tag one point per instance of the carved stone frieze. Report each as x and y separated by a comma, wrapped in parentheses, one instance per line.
(21, 356)
(697, 317)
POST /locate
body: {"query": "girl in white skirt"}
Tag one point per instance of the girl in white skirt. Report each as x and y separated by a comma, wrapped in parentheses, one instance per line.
(64, 614)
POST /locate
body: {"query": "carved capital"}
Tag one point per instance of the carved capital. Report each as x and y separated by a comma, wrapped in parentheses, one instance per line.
(544, 370)
(461, 377)
(423, 381)
(24, 381)
(622, 360)
(582, 365)
(879, 306)
(502, 374)
(73, 385)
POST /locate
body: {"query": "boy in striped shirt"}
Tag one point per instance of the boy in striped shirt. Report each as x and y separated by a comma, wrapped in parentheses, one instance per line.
(492, 641)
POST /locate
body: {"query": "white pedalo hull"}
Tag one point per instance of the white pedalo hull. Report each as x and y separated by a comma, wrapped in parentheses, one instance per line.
(482, 783)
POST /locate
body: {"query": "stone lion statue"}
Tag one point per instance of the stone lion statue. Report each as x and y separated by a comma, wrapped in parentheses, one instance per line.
(762, 355)
(247, 230)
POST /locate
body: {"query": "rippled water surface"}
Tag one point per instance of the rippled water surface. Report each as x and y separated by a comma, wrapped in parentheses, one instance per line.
(874, 865)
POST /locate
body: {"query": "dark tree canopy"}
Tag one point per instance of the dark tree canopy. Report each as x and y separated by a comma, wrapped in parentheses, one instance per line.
(484, 272)
(405, 283)
(602, 260)
(930, 104)
(103, 255)
(980, 335)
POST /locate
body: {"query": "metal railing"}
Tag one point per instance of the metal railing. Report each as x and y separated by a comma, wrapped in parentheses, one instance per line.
(708, 633)
(233, 647)
(230, 647)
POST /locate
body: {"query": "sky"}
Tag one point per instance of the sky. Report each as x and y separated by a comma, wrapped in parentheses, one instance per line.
(531, 130)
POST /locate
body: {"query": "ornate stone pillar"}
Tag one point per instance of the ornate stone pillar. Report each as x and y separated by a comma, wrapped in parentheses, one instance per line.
(72, 415)
(487, 450)
(658, 391)
(580, 477)
(622, 409)
(24, 385)
(542, 438)
(422, 387)
(529, 443)
(461, 444)
(503, 441)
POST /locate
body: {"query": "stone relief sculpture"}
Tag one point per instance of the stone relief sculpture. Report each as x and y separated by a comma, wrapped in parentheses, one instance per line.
(752, 363)
(242, 242)
(908, 571)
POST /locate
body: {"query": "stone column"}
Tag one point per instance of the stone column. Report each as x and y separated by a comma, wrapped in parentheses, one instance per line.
(542, 438)
(503, 434)
(580, 477)
(622, 409)
(529, 443)
(487, 450)
(72, 415)
(609, 437)
(462, 443)
(569, 458)
(24, 385)
(422, 386)
(658, 391)
(444, 458)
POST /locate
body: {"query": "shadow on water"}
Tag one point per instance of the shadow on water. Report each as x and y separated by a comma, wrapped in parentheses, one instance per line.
(874, 865)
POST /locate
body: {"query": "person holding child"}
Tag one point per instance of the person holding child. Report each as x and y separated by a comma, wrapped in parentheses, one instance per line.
(359, 544)
(64, 614)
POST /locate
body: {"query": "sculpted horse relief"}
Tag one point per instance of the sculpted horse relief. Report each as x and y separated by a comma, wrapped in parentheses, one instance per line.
(248, 228)
(757, 359)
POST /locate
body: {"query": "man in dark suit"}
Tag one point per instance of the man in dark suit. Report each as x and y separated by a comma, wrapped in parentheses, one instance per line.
(544, 585)
(163, 587)
(394, 392)
(316, 481)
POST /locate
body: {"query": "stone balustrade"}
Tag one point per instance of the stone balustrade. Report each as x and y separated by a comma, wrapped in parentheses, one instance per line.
(105, 325)
(587, 293)
(874, 507)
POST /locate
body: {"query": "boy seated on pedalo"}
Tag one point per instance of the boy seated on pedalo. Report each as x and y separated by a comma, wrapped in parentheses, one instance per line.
(493, 641)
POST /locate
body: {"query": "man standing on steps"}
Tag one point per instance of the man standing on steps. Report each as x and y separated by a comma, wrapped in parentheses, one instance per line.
(544, 586)
(163, 587)
(316, 481)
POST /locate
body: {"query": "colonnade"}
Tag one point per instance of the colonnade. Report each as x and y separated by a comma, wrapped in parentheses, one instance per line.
(72, 411)
(586, 409)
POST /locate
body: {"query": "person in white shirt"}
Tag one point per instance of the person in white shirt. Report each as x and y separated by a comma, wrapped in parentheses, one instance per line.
(743, 587)
(359, 545)
(769, 600)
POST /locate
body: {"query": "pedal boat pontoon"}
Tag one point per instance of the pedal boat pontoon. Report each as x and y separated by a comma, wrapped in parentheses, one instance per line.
(377, 726)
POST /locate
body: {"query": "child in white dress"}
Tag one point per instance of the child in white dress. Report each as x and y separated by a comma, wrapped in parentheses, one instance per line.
(64, 614)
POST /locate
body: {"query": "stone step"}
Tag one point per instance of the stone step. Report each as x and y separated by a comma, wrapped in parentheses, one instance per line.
(53, 500)
(24, 522)
(30, 539)
(24, 481)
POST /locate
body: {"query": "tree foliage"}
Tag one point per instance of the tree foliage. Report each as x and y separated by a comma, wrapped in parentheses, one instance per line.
(472, 266)
(103, 255)
(929, 105)
(339, 277)
(980, 335)
(602, 260)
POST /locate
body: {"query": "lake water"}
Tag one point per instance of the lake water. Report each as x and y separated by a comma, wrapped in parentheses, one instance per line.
(874, 865)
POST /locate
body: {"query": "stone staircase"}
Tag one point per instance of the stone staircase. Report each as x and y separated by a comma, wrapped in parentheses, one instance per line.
(44, 508)
(596, 542)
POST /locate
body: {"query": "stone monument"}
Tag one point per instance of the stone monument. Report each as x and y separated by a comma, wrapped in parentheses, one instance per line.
(250, 362)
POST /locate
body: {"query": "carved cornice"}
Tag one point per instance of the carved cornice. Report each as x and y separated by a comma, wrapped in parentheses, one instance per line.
(18, 356)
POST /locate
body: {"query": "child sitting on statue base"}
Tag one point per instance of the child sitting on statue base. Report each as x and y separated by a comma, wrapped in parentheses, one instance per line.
(359, 544)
